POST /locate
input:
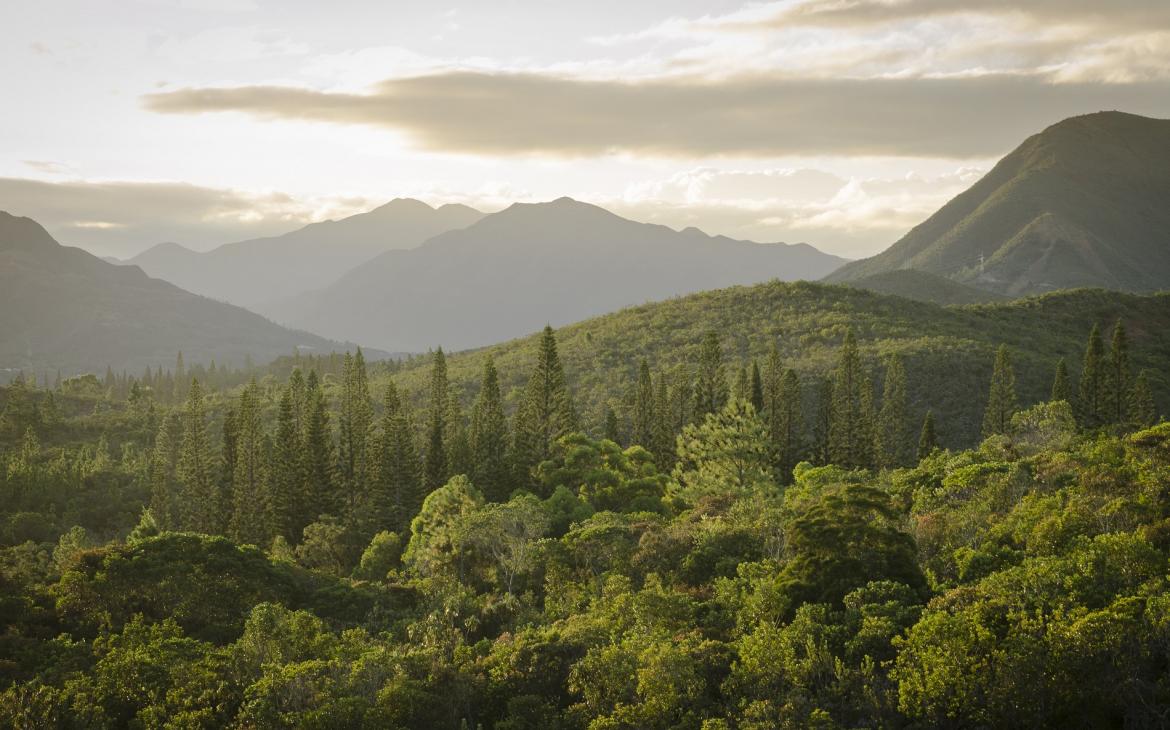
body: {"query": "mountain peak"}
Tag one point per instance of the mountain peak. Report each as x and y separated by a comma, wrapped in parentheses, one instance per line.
(17, 232)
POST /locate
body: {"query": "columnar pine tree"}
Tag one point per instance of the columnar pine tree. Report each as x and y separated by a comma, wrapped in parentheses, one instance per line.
(545, 414)
(1091, 388)
(317, 497)
(868, 423)
(1118, 383)
(662, 430)
(849, 428)
(890, 439)
(823, 423)
(355, 422)
(927, 440)
(456, 440)
(610, 428)
(489, 438)
(710, 380)
(1142, 411)
(163, 472)
(644, 415)
(1061, 388)
(199, 503)
(742, 388)
(435, 463)
(397, 492)
(227, 467)
(1001, 399)
(251, 520)
(782, 414)
(756, 388)
(288, 507)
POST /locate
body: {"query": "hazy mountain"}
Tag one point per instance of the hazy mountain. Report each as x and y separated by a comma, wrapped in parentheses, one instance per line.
(262, 269)
(532, 264)
(61, 307)
(924, 287)
(1084, 203)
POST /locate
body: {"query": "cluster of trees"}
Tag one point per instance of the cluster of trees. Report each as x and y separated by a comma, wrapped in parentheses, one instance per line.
(725, 553)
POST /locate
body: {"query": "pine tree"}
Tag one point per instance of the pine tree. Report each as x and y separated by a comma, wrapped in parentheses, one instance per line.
(662, 430)
(199, 500)
(397, 493)
(1118, 385)
(644, 415)
(227, 468)
(868, 425)
(456, 440)
(545, 414)
(823, 423)
(1091, 388)
(1142, 411)
(1001, 399)
(288, 508)
(489, 438)
(251, 520)
(610, 430)
(435, 464)
(355, 421)
(756, 388)
(318, 496)
(890, 440)
(927, 440)
(710, 381)
(180, 383)
(742, 388)
(782, 414)
(163, 472)
(849, 427)
(1061, 389)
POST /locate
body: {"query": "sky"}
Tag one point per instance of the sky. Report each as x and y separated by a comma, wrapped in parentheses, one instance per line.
(840, 123)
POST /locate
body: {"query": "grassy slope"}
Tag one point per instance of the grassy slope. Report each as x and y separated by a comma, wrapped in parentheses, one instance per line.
(948, 350)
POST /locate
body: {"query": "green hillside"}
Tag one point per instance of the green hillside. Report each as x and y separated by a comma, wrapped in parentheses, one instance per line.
(948, 351)
(1082, 204)
(924, 287)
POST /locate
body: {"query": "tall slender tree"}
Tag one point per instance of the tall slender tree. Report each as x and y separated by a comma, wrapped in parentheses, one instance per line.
(397, 492)
(251, 520)
(782, 414)
(849, 427)
(1118, 381)
(1001, 398)
(354, 425)
(198, 508)
(1091, 387)
(756, 388)
(711, 379)
(823, 423)
(927, 439)
(163, 472)
(489, 438)
(890, 439)
(644, 415)
(288, 509)
(662, 430)
(435, 463)
(545, 414)
(317, 497)
(1061, 388)
(1142, 411)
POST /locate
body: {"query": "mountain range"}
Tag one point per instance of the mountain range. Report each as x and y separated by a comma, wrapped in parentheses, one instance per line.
(529, 265)
(250, 273)
(1086, 202)
(63, 308)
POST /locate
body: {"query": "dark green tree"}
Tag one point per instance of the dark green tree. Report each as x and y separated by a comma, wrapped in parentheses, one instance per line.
(163, 472)
(318, 497)
(545, 414)
(850, 426)
(198, 506)
(710, 380)
(1061, 388)
(354, 427)
(1001, 398)
(823, 422)
(1142, 411)
(783, 415)
(397, 492)
(644, 413)
(489, 438)
(251, 520)
(288, 510)
(435, 461)
(1091, 388)
(1118, 382)
(927, 440)
(610, 428)
(890, 438)
(756, 388)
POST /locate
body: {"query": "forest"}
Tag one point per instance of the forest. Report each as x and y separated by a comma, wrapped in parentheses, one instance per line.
(726, 540)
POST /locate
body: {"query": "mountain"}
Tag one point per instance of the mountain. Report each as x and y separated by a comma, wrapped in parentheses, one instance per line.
(948, 352)
(249, 273)
(531, 264)
(61, 307)
(1084, 203)
(924, 287)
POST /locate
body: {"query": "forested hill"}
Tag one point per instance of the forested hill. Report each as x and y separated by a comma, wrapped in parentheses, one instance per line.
(1084, 203)
(528, 265)
(948, 351)
(64, 309)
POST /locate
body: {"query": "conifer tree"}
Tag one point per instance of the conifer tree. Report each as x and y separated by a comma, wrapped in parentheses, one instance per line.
(489, 438)
(251, 520)
(1118, 382)
(163, 472)
(756, 388)
(435, 463)
(199, 501)
(927, 440)
(1061, 389)
(868, 424)
(610, 430)
(1142, 411)
(849, 426)
(456, 440)
(782, 414)
(823, 423)
(355, 421)
(180, 383)
(227, 468)
(1091, 388)
(682, 401)
(288, 508)
(742, 388)
(710, 380)
(1001, 399)
(545, 414)
(644, 415)
(397, 492)
(662, 430)
(318, 495)
(890, 439)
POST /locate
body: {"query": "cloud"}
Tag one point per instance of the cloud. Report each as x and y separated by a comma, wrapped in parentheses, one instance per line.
(123, 218)
(755, 115)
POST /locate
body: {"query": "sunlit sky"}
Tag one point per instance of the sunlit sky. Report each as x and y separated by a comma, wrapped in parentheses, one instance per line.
(840, 123)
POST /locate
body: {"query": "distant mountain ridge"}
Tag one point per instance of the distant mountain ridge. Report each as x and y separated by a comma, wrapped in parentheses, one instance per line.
(1086, 202)
(249, 273)
(63, 308)
(516, 270)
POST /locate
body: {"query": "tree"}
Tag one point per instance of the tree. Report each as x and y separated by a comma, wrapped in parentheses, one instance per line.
(546, 412)
(436, 532)
(644, 411)
(1091, 388)
(603, 474)
(489, 437)
(610, 429)
(507, 533)
(782, 413)
(927, 440)
(850, 431)
(383, 554)
(726, 454)
(397, 491)
(1061, 388)
(287, 478)
(435, 460)
(890, 441)
(663, 429)
(1142, 411)
(317, 455)
(251, 520)
(456, 440)
(1118, 382)
(355, 422)
(823, 423)
(756, 388)
(163, 472)
(198, 506)
(711, 380)
(1001, 399)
